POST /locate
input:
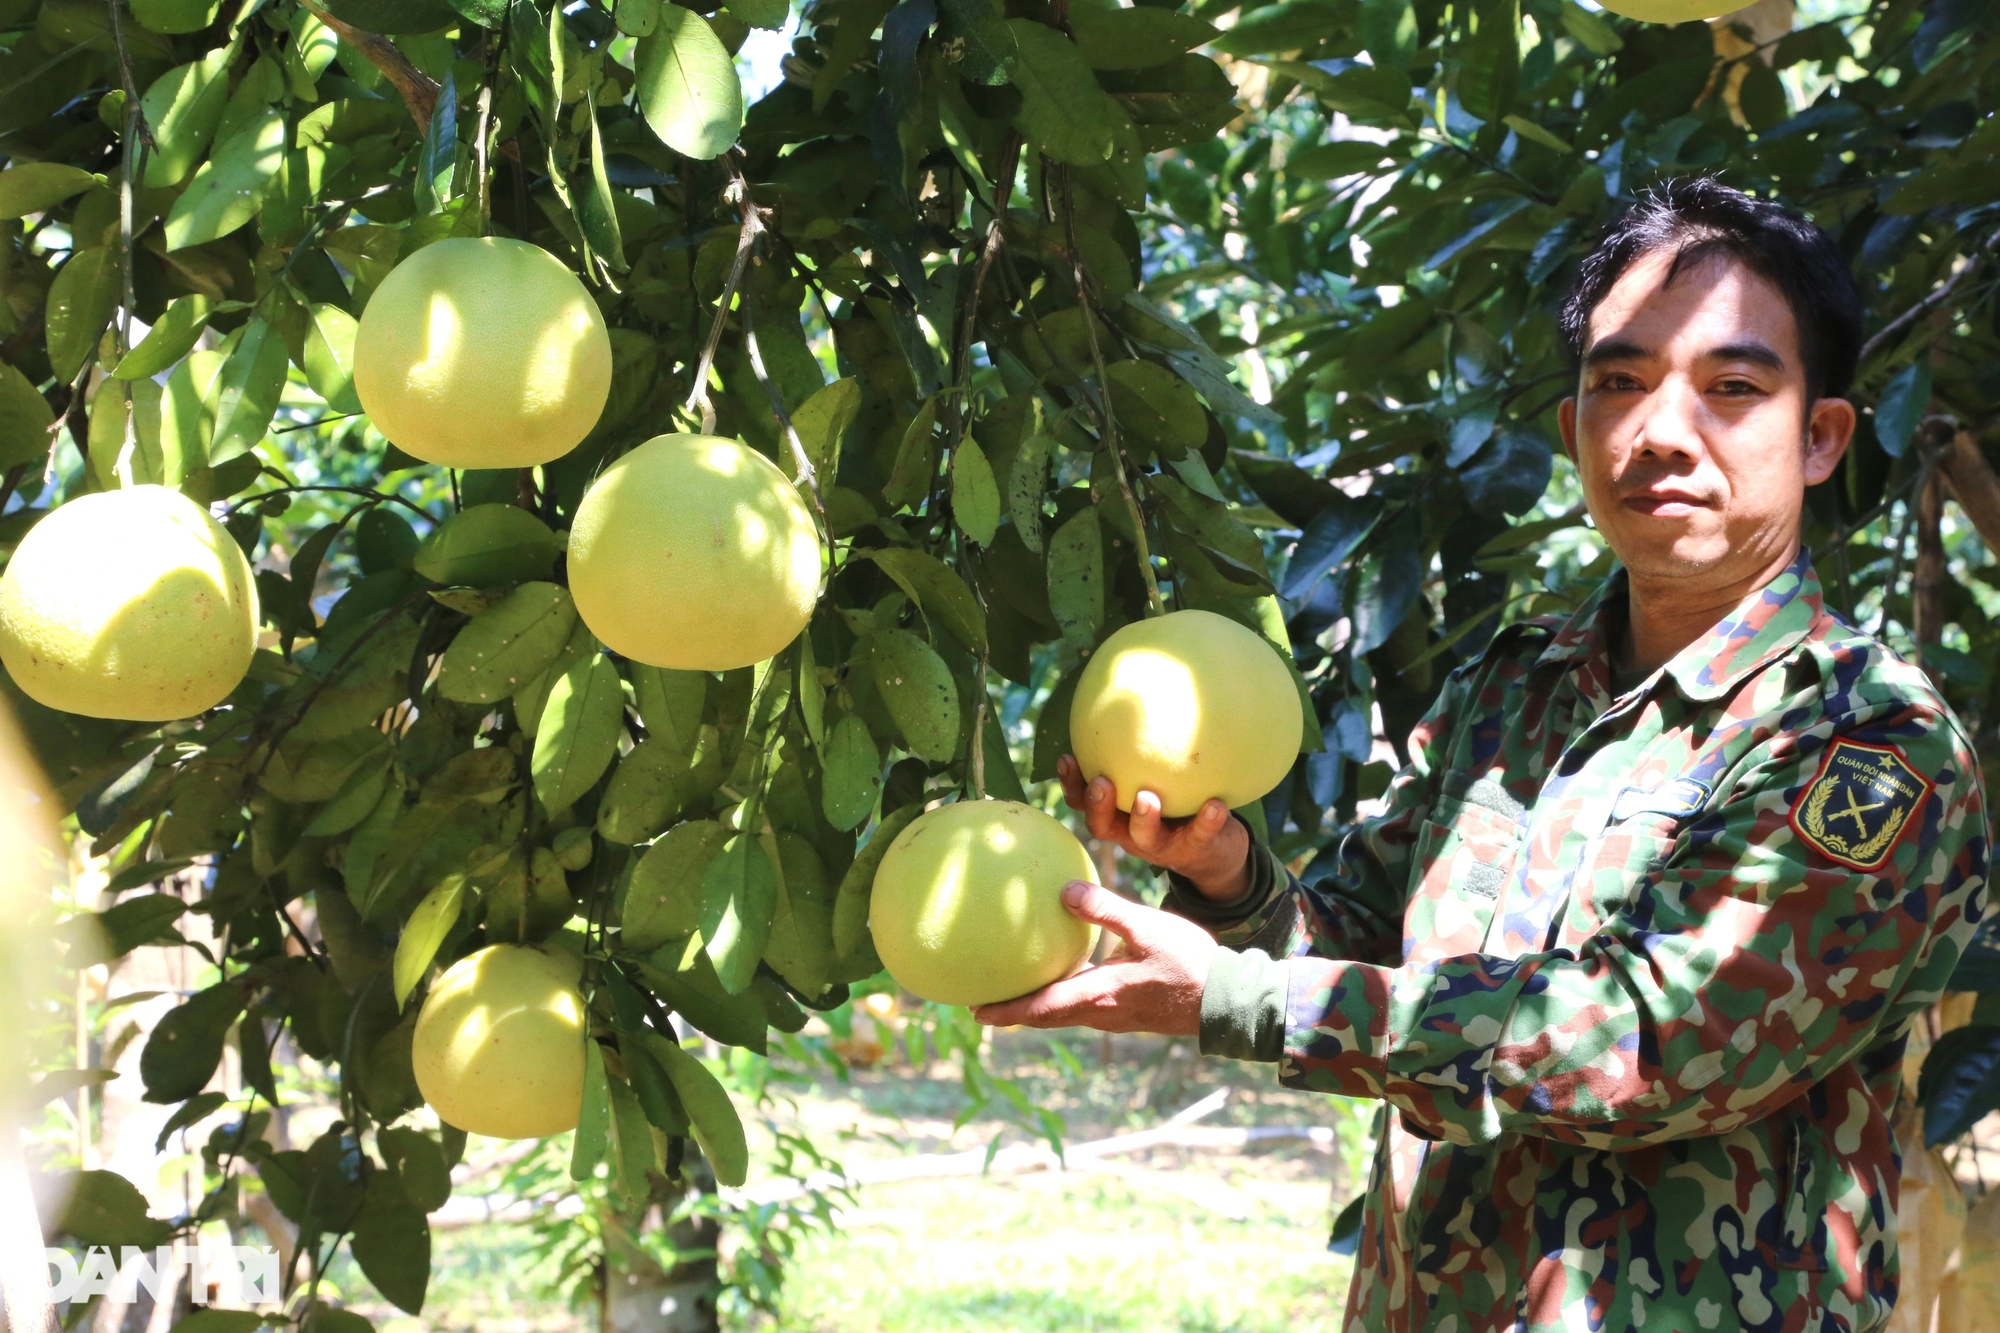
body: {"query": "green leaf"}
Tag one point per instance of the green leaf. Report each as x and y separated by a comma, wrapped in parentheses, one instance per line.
(186, 1044)
(771, 14)
(1528, 129)
(631, 1142)
(173, 16)
(738, 891)
(424, 933)
(1027, 481)
(1135, 38)
(648, 789)
(810, 693)
(991, 52)
(141, 921)
(1063, 111)
(910, 478)
(246, 391)
(598, 211)
(324, 1318)
(942, 594)
(687, 85)
(437, 155)
(663, 901)
(104, 1208)
(578, 735)
(800, 948)
(172, 337)
(508, 647)
(684, 979)
(32, 187)
(1154, 405)
(650, 1084)
(304, 769)
(593, 1125)
(1076, 577)
(192, 1111)
(822, 422)
(1902, 405)
(183, 107)
(713, 1116)
(329, 364)
(850, 904)
(975, 495)
(228, 188)
(488, 546)
(392, 1243)
(852, 780)
(417, 1162)
(25, 418)
(670, 703)
(920, 694)
(80, 303)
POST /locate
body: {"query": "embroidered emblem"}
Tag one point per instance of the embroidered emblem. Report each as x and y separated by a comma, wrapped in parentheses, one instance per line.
(1860, 804)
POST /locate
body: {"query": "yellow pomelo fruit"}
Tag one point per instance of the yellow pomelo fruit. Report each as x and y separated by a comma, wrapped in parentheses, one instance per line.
(1672, 11)
(482, 353)
(695, 552)
(130, 604)
(499, 1043)
(967, 904)
(1187, 706)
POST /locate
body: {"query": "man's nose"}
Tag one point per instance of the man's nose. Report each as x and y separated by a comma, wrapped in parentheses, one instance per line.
(1671, 424)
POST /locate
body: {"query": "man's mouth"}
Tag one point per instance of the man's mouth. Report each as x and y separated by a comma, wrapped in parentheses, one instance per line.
(1665, 504)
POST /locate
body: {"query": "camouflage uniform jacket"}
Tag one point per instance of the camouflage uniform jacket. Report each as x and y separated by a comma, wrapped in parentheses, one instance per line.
(1659, 954)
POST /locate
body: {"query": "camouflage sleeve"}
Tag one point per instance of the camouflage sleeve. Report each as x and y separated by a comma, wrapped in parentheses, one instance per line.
(1766, 951)
(1356, 911)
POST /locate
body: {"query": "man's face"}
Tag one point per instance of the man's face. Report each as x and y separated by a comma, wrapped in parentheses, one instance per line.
(1690, 429)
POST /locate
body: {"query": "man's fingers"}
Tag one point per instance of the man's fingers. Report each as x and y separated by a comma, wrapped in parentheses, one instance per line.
(1095, 903)
(1070, 1002)
(1070, 774)
(1101, 813)
(1207, 822)
(1148, 837)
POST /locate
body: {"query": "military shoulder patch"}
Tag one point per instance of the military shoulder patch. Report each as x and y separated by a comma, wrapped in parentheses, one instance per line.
(1860, 804)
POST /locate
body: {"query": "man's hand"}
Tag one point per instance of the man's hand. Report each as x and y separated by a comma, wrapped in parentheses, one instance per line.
(1153, 983)
(1208, 847)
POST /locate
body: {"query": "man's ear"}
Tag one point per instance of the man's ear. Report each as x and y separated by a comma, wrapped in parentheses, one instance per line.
(1829, 429)
(1566, 423)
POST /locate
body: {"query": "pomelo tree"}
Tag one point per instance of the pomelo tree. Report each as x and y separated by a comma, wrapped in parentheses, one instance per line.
(1057, 315)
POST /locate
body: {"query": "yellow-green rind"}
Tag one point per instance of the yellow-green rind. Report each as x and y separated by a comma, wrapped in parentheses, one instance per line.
(1188, 706)
(132, 604)
(498, 1048)
(967, 903)
(694, 552)
(482, 352)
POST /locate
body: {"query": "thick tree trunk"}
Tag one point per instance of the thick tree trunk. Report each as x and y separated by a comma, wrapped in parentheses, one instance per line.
(639, 1296)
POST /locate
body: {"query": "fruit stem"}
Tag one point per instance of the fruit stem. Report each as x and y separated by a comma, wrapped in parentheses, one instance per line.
(737, 191)
(1154, 606)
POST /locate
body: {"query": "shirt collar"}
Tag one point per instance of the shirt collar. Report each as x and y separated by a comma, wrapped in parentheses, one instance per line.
(1766, 624)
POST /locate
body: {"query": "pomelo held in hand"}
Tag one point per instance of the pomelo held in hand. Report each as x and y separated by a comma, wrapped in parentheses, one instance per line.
(482, 353)
(1672, 11)
(967, 904)
(130, 604)
(499, 1043)
(1187, 706)
(695, 552)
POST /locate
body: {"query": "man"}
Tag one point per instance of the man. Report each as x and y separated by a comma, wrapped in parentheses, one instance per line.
(1674, 875)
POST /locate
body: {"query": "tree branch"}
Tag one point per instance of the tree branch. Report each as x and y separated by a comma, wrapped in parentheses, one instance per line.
(419, 90)
(1972, 482)
(1900, 324)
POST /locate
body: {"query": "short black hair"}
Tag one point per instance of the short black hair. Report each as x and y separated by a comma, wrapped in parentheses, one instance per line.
(1700, 218)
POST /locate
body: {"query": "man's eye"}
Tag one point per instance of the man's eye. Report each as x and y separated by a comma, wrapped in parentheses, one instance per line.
(1616, 383)
(1737, 388)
